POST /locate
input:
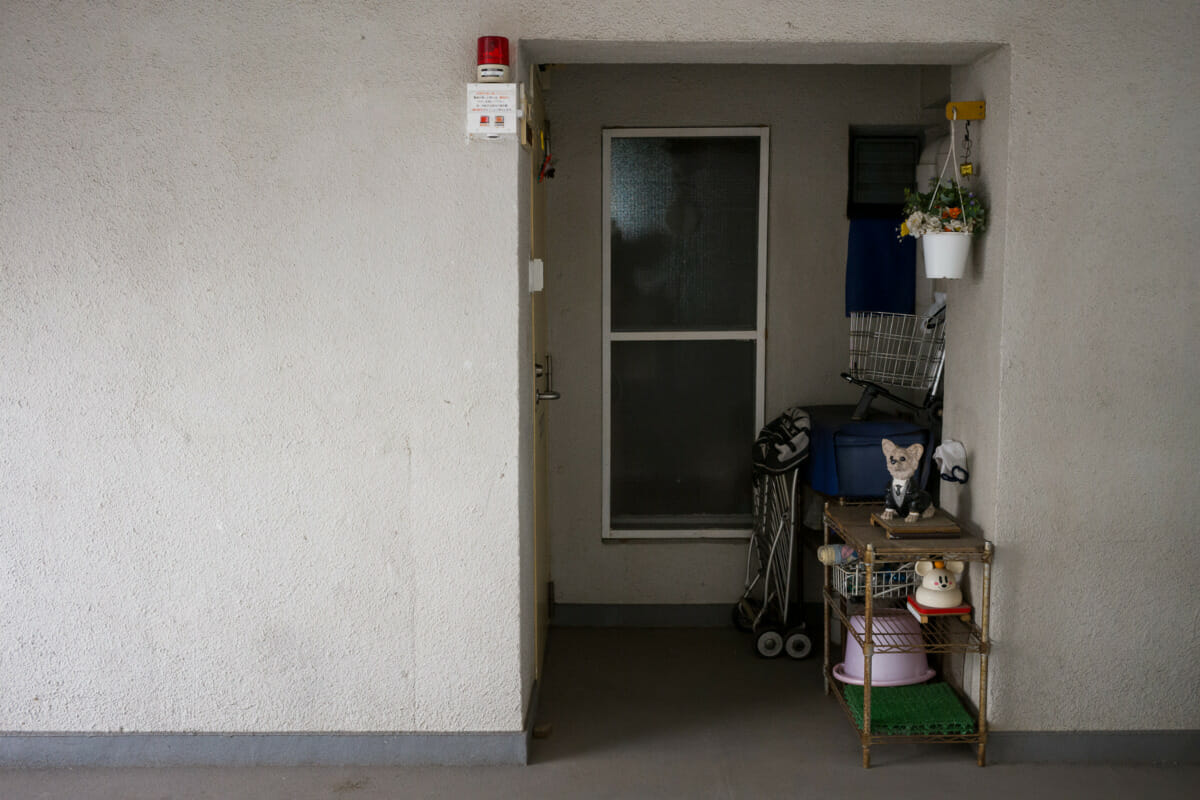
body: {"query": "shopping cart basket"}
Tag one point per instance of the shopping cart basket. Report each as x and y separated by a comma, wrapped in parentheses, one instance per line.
(904, 351)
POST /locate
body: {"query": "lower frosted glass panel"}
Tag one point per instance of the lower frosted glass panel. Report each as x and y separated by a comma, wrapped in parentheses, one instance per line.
(682, 429)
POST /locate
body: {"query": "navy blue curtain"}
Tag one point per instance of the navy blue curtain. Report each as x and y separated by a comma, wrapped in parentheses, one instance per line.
(880, 267)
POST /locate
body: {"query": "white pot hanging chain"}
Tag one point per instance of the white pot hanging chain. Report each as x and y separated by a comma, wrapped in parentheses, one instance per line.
(967, 168)
(951, 157)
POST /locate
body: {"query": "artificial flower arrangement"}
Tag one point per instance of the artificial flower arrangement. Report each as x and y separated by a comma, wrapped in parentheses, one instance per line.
(944, 208)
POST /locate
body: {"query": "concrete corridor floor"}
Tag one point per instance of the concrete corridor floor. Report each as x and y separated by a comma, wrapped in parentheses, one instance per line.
(646, 713)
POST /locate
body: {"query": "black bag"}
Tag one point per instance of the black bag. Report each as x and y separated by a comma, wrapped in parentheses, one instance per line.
(782, 444)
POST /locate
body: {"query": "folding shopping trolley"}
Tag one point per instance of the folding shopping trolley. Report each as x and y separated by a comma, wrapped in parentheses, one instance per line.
(765, 606)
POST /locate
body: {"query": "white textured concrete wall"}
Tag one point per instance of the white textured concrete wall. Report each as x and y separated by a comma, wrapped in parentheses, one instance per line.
(974, 307)
(261, 346)
(1095, 509)
(809, 111)
(261, 335)
(1080, 423)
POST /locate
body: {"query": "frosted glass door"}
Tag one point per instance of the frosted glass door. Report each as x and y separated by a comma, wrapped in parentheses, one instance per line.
(684, 309)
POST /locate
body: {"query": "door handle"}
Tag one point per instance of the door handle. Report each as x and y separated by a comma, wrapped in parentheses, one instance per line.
(548, 372)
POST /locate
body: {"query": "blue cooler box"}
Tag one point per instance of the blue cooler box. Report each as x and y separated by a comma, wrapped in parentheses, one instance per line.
(846, 457)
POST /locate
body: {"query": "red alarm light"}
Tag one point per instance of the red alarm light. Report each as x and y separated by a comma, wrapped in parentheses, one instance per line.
(492, 59)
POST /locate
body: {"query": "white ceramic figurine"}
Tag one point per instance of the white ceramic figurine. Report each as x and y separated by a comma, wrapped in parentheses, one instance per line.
(939, 584)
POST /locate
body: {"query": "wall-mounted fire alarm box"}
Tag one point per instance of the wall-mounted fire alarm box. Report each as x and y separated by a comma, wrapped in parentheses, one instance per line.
(491, 110)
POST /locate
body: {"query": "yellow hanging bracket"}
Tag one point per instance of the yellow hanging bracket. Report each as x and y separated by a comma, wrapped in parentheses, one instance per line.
(974, 109)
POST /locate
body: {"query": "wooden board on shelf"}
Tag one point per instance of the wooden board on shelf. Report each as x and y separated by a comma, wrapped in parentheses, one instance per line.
(940, 526)
(853, 525)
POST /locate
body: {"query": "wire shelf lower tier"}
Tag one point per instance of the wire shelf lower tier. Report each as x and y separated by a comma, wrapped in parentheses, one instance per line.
(938, 635)
(875, 737)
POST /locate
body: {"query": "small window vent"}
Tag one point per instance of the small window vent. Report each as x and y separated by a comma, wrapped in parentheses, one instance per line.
(881, 168)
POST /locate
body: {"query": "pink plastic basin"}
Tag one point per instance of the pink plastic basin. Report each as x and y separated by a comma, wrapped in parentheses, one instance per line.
(887, 669)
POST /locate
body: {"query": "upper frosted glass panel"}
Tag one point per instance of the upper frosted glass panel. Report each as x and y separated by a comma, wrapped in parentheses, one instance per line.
(684, 233)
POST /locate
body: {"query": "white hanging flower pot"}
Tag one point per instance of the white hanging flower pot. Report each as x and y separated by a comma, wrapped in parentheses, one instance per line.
(946, 253)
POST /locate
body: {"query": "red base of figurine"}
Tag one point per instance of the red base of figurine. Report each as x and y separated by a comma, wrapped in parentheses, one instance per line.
(923, 613)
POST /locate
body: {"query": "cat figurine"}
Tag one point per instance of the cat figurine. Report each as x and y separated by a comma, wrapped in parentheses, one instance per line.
(903, 495)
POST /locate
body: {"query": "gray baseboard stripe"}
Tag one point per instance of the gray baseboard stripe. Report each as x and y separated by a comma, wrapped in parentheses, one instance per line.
(649, 615)
(56, 750)
(661, 615)
(42, 750)
(1094, 747)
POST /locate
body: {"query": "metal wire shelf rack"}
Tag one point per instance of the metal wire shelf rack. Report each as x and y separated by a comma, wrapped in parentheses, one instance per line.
(949, 636)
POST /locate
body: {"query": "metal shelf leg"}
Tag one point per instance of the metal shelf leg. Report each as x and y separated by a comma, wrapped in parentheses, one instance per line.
(826, 612)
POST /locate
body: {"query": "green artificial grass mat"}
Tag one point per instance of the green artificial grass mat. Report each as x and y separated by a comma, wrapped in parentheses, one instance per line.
(918, 710)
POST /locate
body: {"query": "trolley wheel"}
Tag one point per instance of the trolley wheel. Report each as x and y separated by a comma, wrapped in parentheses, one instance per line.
(743, 616)
(769, 642)
(797, 644)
